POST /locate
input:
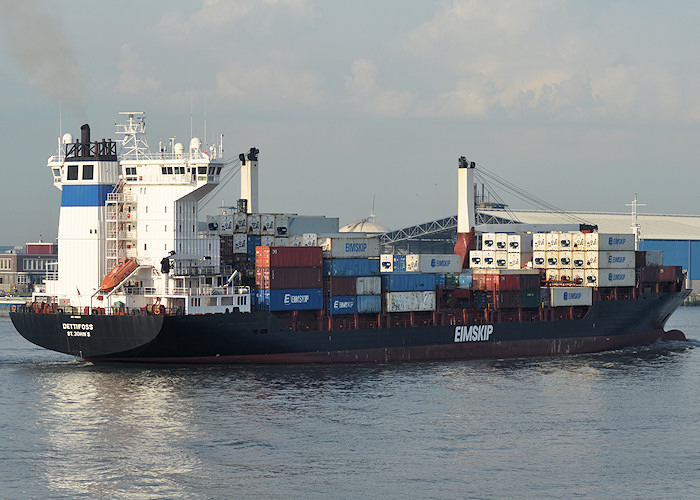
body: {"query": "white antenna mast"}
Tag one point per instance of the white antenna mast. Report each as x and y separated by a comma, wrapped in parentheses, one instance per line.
(635, 225)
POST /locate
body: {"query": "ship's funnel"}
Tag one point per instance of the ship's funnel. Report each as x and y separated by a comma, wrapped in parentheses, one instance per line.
(85, 134)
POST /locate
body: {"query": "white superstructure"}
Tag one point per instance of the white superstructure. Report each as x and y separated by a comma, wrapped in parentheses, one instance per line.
(120, 200)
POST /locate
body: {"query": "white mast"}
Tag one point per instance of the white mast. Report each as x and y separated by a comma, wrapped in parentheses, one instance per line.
(466, 216)
(635, 225)
(249, 179)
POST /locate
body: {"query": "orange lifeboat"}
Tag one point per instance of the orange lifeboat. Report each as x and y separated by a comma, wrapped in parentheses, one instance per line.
(125, 267)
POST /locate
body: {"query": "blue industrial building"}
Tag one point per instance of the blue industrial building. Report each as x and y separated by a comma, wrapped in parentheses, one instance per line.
(684, 253)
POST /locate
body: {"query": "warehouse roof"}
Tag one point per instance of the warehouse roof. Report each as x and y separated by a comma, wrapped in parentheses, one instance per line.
(652, 226)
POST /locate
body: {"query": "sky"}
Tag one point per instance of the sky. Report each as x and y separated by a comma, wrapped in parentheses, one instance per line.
(351, 104)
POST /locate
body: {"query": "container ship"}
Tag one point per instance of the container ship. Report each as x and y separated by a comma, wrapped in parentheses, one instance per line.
(141, 279)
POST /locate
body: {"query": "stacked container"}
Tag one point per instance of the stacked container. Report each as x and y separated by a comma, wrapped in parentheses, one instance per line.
(519, 250)
(585, 258)
(409, 291)
(502, 251)
(610, 260)
(351, 269)
(240, 222)
(289, 278)
(507, 288)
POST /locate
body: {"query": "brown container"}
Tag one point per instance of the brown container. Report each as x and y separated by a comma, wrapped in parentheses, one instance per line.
(507, 299)
(339, 286)
(294, 277)
(530, 281)
(649, 274)
(640, 259)
(288, 257)
(668, 273)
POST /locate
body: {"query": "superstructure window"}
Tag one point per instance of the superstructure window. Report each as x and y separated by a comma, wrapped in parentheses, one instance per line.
(202, 170)
(88, 172)
(72, 172)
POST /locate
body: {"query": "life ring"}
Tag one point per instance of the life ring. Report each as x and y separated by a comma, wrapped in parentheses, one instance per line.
(14, 307)
(174, 291)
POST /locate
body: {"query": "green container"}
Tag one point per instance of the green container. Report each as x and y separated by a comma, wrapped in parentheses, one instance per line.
(451, 280)
(530, 298)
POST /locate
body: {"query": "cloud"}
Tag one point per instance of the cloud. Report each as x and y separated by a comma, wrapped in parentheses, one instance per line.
(542, 59)
(269, 84)
(364, 90)
(134, 79)
(177, 27)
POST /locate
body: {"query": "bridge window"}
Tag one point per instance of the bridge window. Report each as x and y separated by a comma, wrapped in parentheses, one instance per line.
(88, 172)
(72, 172)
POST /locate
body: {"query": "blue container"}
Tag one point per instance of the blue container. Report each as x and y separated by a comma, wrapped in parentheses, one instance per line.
(344, 304)
(254, 300)
(253, 241)
(441, 280)
(399, 263)
(296, 300)
(465, 280)
(482, 299)
(350, 267)
(260, 300)
(369, 304)
(408, 282)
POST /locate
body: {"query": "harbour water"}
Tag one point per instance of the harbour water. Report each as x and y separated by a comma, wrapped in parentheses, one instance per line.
(623, 424)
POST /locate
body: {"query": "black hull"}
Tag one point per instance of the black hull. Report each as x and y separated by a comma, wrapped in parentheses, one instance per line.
(260, 337)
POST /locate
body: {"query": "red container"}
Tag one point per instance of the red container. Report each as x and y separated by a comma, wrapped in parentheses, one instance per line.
(262, 277)
(40, 248)
(507, 282)
(462, 293)
(490, 281)
(339, 286)
(478, 281)
(262, 256)
(668, 273)
(288, 257)
(649, 274)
